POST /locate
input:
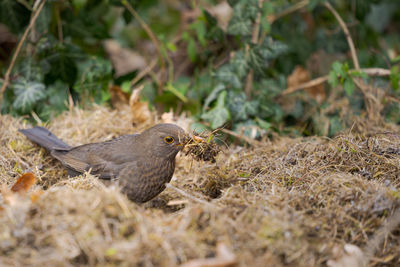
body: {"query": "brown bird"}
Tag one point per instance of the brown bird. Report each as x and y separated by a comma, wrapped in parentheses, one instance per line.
(142, 163)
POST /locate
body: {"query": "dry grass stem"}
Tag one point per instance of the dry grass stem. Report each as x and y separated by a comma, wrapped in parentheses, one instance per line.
(284, 202)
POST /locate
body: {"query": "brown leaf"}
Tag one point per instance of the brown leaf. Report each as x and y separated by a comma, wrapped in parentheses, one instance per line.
(118, 97)
(35, 195)
(7, 42)
(140, 110)
(223, 13)
(24, 182)
(299, 76)
(124, 60)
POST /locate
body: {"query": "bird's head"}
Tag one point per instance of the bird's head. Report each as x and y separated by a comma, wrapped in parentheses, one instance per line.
(165, 140)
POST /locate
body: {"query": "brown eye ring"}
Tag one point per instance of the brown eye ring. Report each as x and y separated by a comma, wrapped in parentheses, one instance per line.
(169, 139)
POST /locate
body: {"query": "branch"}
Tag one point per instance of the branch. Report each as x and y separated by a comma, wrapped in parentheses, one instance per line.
(250, 141)
(273, 17)
(346, 33)
(185, 194)
(153, 38)
(254, 40)
(317, 81)
(18, 49)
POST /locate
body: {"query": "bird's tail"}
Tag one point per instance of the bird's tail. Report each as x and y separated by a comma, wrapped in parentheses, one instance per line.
(44, 138)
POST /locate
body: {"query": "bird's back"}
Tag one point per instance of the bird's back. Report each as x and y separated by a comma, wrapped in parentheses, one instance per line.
(105, 159)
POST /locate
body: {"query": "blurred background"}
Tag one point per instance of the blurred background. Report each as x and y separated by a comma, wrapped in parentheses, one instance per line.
(252, 66)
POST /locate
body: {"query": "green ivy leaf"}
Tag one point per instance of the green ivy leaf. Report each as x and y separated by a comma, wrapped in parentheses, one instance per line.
(261, 54)
(396, 59)
(171, 47)
(200, 28)
(14, 14)
(395, 77)
(239, 24)
(348, 86)
(248, 128)
(250, 8)
(29, 69)
(313, 3)
(232, 3)
(226, 75)
(192, 50)
(27, 94)
(333, 79)
(263, 124)
(58, 95)
(357, 73)
(239, 106)
(337, 67)
(126, 87)
(43, 21)
(93, 80)
(213, 95)
(239, 64)
(61, 59)
(219, 114)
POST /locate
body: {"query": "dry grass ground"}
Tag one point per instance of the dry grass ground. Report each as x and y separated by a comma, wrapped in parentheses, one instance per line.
(293, 202)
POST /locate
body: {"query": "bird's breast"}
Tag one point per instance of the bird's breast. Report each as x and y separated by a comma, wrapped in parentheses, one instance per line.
(148, 180)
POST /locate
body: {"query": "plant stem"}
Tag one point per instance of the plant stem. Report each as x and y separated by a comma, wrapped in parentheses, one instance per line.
(346, 33)
(254, 40)
(19, 46)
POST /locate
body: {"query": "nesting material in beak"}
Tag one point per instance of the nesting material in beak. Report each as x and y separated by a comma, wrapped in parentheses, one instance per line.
(197, 139)
(202, 147)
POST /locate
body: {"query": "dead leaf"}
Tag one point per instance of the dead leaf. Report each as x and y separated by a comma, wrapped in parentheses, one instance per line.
(24, 182)
(183, 120)
(225, 258)
(299, 76)
(140, 110)
(168, 117)
(124, 60)
(118, 97)
(223, 13)
(35, 195)
(7, 42)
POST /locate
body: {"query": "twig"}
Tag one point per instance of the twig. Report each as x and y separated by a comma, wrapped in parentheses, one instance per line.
(26, 165)
(25, 4)
(254, 40)
(249, 140)
(320, 80)
(18, 49)
(291, 9)
(346, 33)
(155, 41)
(185, 194)
(144, 72)
(59, 24)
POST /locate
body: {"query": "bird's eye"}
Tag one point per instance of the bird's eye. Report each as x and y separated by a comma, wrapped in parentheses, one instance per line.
(169, 139)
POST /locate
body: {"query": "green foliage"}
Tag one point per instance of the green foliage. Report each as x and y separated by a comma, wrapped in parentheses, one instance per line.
(219, 114)
(395, 77)
(340, 75)
(27, 94)
(224, 77)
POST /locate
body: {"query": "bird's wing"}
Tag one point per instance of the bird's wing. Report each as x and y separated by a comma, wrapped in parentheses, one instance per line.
(102, 159)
